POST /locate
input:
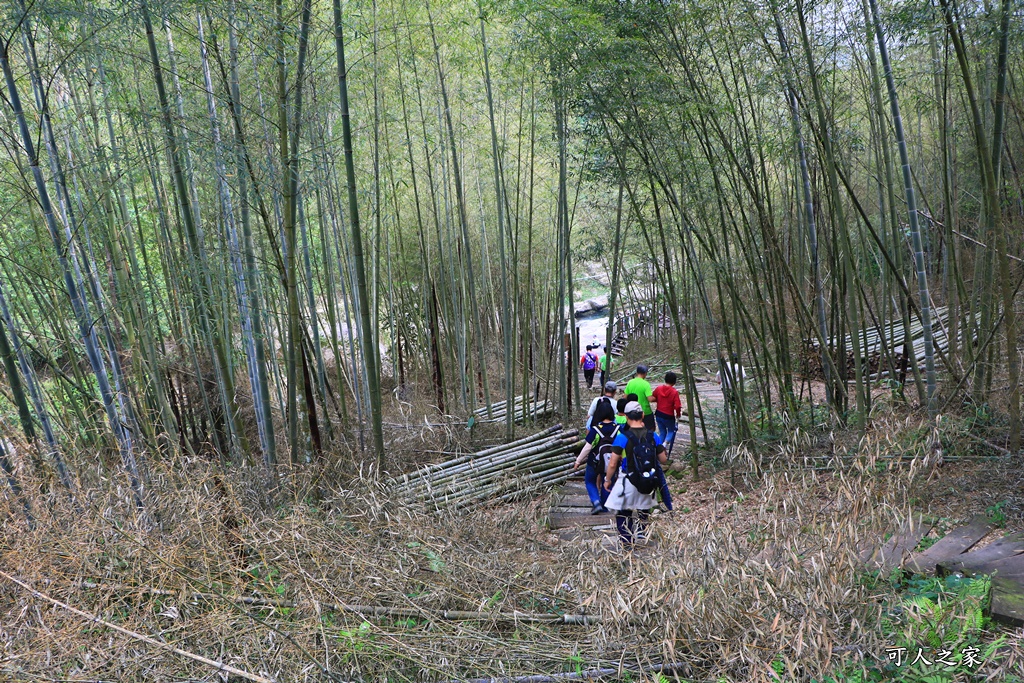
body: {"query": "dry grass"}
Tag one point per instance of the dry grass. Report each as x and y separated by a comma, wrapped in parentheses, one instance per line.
(748, 572)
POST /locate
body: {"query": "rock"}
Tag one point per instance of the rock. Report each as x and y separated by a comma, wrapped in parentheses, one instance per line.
(582, 308)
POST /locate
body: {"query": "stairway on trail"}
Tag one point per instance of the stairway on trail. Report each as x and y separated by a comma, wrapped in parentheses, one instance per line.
(570, 514)
(955, 553)
(628, 325)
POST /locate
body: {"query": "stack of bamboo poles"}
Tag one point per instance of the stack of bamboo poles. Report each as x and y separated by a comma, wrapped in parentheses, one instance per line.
(522, 407)
(875, 340)
(495, 475)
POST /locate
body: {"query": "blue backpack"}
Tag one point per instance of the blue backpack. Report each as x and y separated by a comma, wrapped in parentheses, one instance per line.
(589, 361)
(642, 462)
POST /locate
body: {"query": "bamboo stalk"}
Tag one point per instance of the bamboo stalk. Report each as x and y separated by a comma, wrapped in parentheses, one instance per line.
(476, 468)
(73, 289)
(371, 369)
(8, 471)
(368, 610)
(582, 675)
(219, 666)
(518, 400)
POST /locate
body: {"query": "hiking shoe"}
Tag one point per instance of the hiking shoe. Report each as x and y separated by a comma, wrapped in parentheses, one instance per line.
(597, 509)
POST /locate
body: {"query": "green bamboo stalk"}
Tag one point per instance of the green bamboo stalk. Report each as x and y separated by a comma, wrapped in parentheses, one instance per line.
(915, 229)
(840, 226)
(188, 217)
(243, 297)
(460, 201)
(11, 368)
(152, 376)
(506, 318)
(266, 419)
(8, 469)
(812, 234)
(369, 355)
(86, 328)
(1002, 232)
(7, 325)
(529, 322)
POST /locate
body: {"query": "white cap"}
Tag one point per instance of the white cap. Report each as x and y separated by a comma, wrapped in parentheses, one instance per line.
(633, 407)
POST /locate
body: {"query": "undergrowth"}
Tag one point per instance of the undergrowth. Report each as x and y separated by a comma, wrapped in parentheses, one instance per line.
(936, 631)
(754, 578)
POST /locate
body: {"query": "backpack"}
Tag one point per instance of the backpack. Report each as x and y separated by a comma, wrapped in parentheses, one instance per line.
(602, 449)
(642, 462)
(608, 400)
(589, 361)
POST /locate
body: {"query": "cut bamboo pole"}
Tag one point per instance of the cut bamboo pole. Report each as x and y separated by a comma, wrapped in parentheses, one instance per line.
(219, 666)
(550, 476)
(522, 407)
(581, 675)
(367, 610)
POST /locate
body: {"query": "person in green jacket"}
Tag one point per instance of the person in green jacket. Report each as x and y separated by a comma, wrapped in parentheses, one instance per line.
(620, 411)
(604, 366)
(644, 394)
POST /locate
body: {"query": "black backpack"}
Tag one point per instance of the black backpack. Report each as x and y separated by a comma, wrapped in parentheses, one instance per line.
(642, 462)
(603, 448)
(605, 399)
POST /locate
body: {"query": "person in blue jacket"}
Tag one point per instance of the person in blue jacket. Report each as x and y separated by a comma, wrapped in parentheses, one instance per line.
(632, 449)
(620, 418)
(595, 451)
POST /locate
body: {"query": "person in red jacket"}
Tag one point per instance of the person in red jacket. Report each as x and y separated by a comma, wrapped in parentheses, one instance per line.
(668, 410)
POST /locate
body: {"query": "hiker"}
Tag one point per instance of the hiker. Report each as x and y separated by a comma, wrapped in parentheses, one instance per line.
(642, 388)
(589, 364)
(620, 410)
(734, 372)
(635, 457)
(607, 397)
(663, 490)
(595, 453)
(620, 418)
(605, 359)
(669, 409)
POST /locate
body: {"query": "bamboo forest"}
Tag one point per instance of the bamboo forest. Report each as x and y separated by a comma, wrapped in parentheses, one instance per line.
(351, 340)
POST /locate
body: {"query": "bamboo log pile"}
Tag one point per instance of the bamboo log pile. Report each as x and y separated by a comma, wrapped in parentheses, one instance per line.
(494, 475)
(876, 339)
(522, 407)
